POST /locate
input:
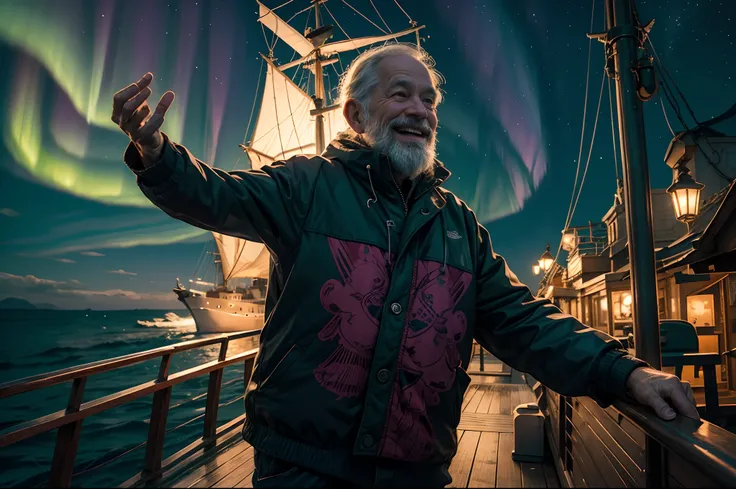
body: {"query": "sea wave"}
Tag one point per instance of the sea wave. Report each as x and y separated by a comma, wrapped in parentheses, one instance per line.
(170, 320)
(100, 345)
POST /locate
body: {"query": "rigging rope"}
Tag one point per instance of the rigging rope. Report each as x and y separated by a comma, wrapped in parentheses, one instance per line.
(407, 15)
(359, 13)
(590, 150)
(379, 15)
(547, 277)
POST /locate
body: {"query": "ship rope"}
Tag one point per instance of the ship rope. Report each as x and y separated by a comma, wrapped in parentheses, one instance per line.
(359, 13)
(379, 15)
(411, 21)
(568, 219)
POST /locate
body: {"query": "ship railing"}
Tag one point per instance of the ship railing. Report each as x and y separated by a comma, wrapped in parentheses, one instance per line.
(625, 445)
(69, 421)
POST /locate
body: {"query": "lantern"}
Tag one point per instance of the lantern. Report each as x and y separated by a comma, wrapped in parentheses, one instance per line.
(568, 240)
(685, 194)
(546, 261)
(536, 269)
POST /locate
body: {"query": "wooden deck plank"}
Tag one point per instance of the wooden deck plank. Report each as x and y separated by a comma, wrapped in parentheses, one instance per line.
(210, 464)
(508, 473)
(469, 394)
(485, 403)
(532, 475)
(463, 461)
(498, 423)
(224, 470)
(507, 401)
(483, 472)
(240, 476)
(472, 406)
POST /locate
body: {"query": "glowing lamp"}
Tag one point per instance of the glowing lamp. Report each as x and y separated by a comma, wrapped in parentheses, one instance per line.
(536, 269)
(685, 194)
(627, 300)
(546, 261)
(568, 240)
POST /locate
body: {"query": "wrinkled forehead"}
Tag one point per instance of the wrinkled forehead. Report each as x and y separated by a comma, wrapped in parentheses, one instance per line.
(405, 71)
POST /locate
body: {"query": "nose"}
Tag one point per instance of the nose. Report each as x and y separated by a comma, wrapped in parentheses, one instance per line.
(416, 108)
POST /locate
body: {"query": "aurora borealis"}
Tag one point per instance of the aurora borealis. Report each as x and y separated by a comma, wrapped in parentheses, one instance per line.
(77, 232)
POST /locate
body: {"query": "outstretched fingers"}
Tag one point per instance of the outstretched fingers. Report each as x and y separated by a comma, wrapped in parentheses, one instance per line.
(154, 123)
(122, 96)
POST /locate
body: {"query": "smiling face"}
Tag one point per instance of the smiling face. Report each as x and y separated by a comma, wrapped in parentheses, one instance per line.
(402, 118)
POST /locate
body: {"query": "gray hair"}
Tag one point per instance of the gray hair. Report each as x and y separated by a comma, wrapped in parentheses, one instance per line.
(362, 76)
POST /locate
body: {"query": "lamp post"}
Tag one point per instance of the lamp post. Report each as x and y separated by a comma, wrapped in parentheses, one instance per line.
(685, 192)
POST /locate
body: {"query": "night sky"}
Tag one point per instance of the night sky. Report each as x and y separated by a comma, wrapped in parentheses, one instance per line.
(77, 232)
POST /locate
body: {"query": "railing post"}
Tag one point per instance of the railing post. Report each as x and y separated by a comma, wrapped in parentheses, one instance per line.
(67, 440)
(157, 427)
(213, 396)
(482, 360)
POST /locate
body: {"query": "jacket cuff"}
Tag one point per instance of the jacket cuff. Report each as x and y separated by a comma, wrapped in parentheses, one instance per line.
(612, 374)
(157, 173)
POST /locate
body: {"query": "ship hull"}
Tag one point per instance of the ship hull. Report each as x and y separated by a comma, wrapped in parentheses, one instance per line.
(216, 315)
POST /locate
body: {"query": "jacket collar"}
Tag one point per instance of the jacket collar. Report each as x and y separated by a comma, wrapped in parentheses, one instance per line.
(357, 156)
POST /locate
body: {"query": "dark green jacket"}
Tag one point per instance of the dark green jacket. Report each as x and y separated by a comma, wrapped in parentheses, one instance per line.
(374, 301)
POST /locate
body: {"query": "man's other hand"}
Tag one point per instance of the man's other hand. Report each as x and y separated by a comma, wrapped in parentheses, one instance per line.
(662, 392)
(132, 113)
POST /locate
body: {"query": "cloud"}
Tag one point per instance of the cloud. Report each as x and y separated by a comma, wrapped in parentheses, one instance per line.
(9, 212)
(65, 260)
(69, 294)
(120, 271)
(91, 253)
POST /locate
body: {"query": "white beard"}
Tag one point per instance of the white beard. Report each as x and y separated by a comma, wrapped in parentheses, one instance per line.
(409, 159)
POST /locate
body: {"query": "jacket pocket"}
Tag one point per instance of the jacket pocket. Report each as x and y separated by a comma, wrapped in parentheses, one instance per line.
(462, 381)
(286, 362)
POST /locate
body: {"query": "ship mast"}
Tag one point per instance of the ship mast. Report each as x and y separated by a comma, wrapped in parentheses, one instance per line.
(630, 65)
(319, 86)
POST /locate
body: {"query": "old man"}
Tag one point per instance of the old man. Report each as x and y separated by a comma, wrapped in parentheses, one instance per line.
(382, 279)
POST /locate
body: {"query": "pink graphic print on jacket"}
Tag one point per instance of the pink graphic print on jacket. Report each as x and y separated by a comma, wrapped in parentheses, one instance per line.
(429, 359)
(364, 271)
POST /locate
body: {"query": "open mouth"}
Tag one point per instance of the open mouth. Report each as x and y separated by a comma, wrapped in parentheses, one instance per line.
(412, 132)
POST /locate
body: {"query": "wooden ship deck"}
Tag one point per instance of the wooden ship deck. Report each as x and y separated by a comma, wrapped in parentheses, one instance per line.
(620, 446)
(483, 459)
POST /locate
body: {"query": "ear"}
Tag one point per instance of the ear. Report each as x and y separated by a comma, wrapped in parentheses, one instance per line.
(353, 112)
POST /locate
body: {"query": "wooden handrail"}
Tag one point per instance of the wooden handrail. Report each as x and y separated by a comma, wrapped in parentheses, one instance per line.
(34, 382)
(69, 421)
(703, 444)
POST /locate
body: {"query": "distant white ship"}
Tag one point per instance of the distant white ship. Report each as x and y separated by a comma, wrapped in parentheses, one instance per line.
(222, 308)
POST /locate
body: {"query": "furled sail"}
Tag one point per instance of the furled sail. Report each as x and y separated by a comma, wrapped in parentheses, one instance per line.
(285, 126)
(286, 33)
(242, 259)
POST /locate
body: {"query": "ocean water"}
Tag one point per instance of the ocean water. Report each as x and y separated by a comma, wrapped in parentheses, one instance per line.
(112, 443)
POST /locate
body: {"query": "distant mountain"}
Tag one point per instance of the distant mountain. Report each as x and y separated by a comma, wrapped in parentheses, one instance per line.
(16, 303)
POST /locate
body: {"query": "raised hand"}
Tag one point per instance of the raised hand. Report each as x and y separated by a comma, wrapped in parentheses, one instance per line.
(132, 113)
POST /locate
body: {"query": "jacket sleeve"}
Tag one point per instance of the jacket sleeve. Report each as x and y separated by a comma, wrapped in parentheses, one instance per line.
(267, 206)
(534, 336)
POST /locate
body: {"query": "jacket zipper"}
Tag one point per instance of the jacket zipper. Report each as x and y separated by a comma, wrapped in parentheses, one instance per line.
(403, 200)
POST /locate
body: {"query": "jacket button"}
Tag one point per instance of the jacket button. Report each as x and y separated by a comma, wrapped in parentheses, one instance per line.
(396, 308)
(383, 376)
(367, 441)
(424, 211)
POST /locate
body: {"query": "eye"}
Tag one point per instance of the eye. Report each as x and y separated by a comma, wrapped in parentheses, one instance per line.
(401, 94)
